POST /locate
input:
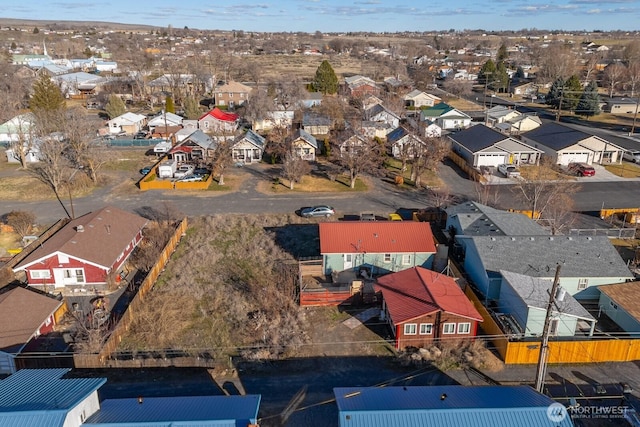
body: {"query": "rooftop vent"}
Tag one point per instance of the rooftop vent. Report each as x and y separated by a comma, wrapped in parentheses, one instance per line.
(588, 237)
(513, 239)
(532, 238)
(80, 228)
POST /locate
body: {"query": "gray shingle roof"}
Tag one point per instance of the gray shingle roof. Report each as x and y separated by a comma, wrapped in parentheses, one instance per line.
(556, 136)
(253, 138)
(480, 220)
(535, 293)
(478, 137)
(537, 256)
(306, 136)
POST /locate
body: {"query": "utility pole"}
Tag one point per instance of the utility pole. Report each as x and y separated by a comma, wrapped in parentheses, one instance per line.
(541, 370)
(560, 104)
(635, 116)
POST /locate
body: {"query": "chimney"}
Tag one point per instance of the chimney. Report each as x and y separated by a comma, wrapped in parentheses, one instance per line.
(140, 400)
(80, 228)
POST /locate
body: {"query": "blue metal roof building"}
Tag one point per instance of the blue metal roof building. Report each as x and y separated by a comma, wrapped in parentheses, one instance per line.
(42, 398)
(449, 405)
(192, 411)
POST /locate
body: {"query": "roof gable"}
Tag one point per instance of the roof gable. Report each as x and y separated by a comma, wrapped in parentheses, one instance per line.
(417, 291)
(44, 391)
(478, 138)
(556, 136)
(305, 136)
(253, 138)
(105, 235)
(218, 114)
(22, 312)
(376, 237)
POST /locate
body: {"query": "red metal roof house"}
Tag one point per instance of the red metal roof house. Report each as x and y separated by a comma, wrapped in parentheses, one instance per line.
(85, 252)
(422, 306)
(381, 247)
(216, 121)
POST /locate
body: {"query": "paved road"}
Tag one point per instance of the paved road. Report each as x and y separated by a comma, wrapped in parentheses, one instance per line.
(382, 199)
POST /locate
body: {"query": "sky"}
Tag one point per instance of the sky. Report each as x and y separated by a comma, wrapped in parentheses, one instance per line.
(340, 15)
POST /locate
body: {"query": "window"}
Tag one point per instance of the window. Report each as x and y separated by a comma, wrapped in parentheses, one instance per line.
(464, 328)
(449, 328)
(410, 329)
(74, 273)
(553, 327)
(426, 328)
(40, 274)
(406, 259)
(582, 284)
(230, 95)
(387, 258)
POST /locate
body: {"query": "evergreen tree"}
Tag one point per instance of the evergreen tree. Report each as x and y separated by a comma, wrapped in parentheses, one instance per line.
(589, 104)
(520, 73)
(191, 108)
(169, 105)
(573, 91)
(46, 95)
(501, 78)
(555, 92)
(503, 55)
(487, 72)
(325, 80)
(115, 106)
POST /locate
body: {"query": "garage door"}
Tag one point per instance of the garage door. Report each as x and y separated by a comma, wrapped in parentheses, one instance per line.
(491, 159)
(567, 158)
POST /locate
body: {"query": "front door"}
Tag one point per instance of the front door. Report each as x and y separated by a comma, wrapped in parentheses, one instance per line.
(348, 261)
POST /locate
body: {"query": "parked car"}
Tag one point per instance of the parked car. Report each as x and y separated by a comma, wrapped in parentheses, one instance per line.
(510, 171)
(582, 169)
(632, 156)
(183, 170)
(140, 135)
(191, 178)
(201, 171)
(145, 170)
(367, 216)
(315, 211)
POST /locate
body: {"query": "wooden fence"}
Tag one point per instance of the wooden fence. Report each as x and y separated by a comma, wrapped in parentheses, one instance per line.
(324, 297)
(474, 174)
(151, 182)
(100, 359)
(561, 350)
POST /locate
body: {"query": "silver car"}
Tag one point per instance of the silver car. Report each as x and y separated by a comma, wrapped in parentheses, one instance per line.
(632, 156)
(315, 211)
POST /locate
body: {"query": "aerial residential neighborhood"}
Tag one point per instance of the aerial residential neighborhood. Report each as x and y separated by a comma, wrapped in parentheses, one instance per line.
(330, 228)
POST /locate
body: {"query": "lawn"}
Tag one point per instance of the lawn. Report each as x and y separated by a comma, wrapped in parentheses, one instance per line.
(313, 184)
(429, 178)
(624, 169)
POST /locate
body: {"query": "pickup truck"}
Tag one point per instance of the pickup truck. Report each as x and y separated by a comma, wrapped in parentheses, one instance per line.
(510, 171)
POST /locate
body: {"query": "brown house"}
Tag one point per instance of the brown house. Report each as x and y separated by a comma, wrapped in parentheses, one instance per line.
(422, 306)
(231, 94)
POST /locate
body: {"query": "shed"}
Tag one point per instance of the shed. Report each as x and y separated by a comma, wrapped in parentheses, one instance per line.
(620, 303)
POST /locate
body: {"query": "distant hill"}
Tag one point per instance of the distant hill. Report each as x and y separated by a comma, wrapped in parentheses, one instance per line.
(72, 25)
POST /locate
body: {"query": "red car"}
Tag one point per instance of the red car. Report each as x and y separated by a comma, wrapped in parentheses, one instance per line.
(582, 169)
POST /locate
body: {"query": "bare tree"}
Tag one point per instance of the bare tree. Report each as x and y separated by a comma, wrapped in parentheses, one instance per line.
(539, 192)
(613, 75)
(555, 61)
(222, 156)
(633, 76)
(427, 157)
(559, 211)
(359, 156)
(294, 168)
(53, 169)
(82, 151)
(21, 222)
(458, 87)
(24, 128)
(278, 144)
(487, 194)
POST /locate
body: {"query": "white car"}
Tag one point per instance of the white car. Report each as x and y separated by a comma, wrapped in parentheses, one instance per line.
(184, 170)
(632, 156)
(510, 171)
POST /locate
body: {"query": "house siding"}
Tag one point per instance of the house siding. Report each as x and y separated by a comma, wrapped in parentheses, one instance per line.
(619, 315)
(438, 320)
(375, 262)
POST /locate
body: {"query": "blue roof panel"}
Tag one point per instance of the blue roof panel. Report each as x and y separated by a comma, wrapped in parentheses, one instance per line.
(189, 410)
(452, 405)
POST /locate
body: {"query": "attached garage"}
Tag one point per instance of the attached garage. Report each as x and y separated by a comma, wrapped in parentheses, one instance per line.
(491, 159)
(564, 158)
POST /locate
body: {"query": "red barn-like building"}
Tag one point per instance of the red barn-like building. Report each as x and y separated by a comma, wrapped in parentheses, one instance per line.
(423, 306)
(83, 253)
